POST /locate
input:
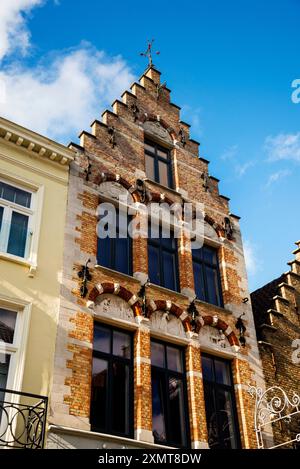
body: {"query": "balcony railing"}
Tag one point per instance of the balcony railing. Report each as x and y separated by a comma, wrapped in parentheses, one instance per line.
(22, 419)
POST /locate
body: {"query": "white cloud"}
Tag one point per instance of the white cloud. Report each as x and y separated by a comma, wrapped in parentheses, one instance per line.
(193, 116)
(241, 169)
(230, 153)
(274, 177)
(283, 147)
(251, 258)
(61, 95)
(14, 34)
(66, 93)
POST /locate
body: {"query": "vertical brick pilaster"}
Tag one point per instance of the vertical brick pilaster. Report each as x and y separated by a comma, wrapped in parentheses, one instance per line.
(140, 247)
(197, 416)
(186, 274)
(242, 377)
(142, 384)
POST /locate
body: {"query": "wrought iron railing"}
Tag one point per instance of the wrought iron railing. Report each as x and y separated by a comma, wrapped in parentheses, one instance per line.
(22, 419)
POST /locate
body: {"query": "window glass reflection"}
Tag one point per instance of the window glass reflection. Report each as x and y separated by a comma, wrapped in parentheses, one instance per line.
(121, 344)
(101, 338)
(7, 325)
(157, 354)
(174, 359)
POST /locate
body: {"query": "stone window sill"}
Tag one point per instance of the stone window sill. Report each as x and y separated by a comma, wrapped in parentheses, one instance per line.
(21, 261)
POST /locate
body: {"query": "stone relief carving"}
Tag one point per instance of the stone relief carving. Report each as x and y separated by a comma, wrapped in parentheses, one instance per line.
(210, 336)
(156, 129)
(114, 306)
(113, 190)
(162, 321)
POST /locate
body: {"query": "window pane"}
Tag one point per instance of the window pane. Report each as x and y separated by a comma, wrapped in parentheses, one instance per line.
(158, 410)
(163, 171)
(199, 281)
(213, 295)
(174, 358)
(177, 418)
(222, 372)
(211, 418)
(226, 419)
(157, 354)
(210, 255)
(169, 270)
(1, 216)
(197, 254)
(99, 394)
(149, 163)
(18, 234)
(13, 194)
(207, 368)
(120, 399)
(121, 344)
(7, 325)
(104, 247)
(101, 338)
(167, 238)
(153, 269)
(122, 256)
(149, 147)
(163, 153)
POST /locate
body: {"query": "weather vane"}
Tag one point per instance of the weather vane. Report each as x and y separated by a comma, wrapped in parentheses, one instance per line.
(148, 52)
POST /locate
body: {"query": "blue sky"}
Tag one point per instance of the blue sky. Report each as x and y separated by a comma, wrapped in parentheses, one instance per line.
(229, 64)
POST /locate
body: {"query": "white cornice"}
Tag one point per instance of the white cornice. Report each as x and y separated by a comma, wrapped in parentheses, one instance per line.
(39, 145)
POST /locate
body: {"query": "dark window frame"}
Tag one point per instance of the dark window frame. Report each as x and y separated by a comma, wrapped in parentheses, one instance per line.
(112, 249)
(111, 358)
(214, 386)
(166, 374)
(167, 161)
(200, 260)
(158, 243)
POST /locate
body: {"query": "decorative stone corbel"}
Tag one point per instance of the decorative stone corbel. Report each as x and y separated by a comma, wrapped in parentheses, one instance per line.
(135, 111)
(206, 181)
(112, 138)
(182, 137)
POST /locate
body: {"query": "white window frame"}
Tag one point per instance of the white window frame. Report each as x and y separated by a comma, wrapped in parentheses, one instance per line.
(34, 223)
(17, 352)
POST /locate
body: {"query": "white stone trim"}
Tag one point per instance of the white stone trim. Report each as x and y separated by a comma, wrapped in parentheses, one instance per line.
(183, 316)
(140, 434)
(100, 288)
(228, 331)
(200, 445)
(152, 305)
(194, 374)
(132, 300)
(117, 287)
(139, 360)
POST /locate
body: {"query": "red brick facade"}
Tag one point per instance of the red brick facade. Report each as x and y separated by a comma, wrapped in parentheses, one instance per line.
(110, 160)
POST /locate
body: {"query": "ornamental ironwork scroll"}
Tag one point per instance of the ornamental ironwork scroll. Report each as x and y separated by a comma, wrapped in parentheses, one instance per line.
(274, 406)
(22, 420)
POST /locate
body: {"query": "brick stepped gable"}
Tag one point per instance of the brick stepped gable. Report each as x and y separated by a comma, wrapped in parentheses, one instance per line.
(281, 297)
(276, 309)
(145, 103)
